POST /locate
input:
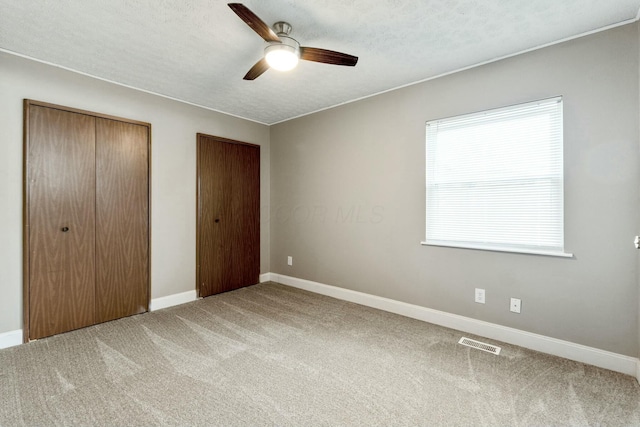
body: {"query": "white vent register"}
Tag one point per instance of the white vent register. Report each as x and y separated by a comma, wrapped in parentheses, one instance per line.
(480, 345)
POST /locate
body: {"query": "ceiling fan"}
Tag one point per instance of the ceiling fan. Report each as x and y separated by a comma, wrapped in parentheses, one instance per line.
(283, 52)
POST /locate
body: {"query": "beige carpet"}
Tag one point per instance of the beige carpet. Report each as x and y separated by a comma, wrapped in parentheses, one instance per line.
(274, 355)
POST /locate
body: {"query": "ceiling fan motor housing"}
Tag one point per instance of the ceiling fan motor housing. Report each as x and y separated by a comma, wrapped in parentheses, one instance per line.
(287, 44)
(283, 29)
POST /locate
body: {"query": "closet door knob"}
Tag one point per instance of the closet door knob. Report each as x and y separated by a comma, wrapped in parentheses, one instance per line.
(64, 229)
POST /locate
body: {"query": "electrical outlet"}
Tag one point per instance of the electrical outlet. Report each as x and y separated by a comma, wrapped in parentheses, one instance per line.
(289, 260)
(480, 295)
(515, 305)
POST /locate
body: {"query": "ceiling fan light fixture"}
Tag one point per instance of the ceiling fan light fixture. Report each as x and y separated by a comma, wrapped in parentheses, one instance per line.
(281, 56)
(283, 52)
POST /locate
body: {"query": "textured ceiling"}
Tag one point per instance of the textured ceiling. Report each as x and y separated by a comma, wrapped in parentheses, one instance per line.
(199, 50)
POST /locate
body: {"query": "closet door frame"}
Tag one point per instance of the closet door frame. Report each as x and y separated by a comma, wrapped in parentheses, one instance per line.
(26, 285)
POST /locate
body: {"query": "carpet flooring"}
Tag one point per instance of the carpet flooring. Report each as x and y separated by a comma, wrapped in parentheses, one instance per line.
(271, 355)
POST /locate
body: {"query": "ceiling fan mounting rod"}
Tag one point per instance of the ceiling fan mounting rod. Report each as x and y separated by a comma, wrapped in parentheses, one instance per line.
(282, 28)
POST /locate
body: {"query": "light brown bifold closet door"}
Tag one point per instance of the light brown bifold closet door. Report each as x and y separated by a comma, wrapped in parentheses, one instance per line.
(122, 219)
(86, 219)
(61, 222)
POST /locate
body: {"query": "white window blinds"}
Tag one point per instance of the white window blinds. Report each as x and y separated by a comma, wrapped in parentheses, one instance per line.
(495, 179)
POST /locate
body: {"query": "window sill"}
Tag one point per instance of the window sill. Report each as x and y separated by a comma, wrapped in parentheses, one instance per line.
(494, 249)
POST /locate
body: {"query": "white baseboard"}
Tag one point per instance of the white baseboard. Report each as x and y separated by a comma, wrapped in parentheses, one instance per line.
(266, 277)
(11, 338)
(568, 350)
(171, 300)
(184, 297)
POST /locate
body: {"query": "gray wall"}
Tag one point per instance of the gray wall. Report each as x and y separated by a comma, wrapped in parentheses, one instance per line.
(347, 195)
(173, 180)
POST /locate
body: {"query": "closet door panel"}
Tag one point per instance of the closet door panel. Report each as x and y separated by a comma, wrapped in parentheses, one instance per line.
(245, 205)
(61, 221)
(215, 174)
(122, 219)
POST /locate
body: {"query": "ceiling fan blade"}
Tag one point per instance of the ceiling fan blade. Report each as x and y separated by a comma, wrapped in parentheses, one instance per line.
(252, 20)
(327, 56)
(257, 70)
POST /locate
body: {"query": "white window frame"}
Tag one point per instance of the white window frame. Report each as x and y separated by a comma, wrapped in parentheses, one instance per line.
(490, 229)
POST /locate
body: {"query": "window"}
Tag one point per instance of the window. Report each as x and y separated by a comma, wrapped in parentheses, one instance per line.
(495, 180)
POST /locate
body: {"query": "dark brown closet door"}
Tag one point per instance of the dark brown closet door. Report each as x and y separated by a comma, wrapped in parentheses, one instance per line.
(245, 215)
(228, 215)
(122, 219)
(61, 220)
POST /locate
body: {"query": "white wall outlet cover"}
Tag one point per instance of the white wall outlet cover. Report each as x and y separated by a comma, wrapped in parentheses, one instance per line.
(479, 296)
(289, 260)
(515, 305)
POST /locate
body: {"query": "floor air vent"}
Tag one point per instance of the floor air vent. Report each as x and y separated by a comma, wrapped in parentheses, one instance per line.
(480, 345)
